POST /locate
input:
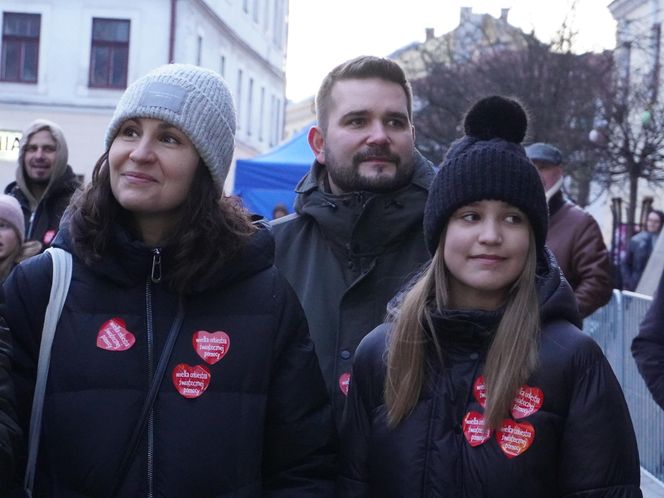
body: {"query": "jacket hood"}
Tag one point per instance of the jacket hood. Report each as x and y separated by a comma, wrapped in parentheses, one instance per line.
(128, 261)
(557, 300)
(370, 222)
(61, 157)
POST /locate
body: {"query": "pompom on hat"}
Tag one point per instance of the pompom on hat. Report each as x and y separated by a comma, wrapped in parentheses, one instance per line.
(10, 211)
(488, 163)
(193, 99)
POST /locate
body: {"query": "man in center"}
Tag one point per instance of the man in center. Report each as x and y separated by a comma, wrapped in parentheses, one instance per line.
(356, 235)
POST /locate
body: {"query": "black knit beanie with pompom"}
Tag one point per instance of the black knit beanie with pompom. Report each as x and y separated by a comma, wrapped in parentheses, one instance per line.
(488, 163)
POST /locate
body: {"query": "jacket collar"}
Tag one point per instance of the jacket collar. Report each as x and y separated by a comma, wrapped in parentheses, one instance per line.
(364, 223)
(128, 261)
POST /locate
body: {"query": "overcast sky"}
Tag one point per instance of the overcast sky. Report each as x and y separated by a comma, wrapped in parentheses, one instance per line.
(324, 33)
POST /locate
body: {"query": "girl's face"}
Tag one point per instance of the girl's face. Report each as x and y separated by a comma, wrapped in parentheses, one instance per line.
(485, 250)
(8, 240)
(152, 167)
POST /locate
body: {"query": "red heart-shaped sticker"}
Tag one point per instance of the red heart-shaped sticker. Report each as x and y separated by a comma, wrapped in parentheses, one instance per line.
(114, 336)
(190, 381)
(514, 437)
(344, 383)
(479, 391)
(211, 346)
(527, 401)
(473, 429)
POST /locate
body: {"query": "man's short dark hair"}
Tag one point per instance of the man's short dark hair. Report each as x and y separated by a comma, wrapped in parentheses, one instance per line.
(363, 67)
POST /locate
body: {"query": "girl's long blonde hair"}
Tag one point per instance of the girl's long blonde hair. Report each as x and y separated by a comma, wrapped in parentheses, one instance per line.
(512, 356)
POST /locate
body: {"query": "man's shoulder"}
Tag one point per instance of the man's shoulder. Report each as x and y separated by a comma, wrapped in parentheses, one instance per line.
(11, 188)
(573, 213)
(287, 226)
(14, 189)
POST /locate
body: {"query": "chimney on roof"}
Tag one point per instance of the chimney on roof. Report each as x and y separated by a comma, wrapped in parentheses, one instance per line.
(429, 34)
(503, 14)
(466, 12)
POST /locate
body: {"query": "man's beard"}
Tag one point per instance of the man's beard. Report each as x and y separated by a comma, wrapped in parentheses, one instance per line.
(348, 178)
(39, 181)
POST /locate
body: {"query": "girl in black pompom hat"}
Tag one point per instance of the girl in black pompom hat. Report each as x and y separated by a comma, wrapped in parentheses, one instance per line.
(480, 383)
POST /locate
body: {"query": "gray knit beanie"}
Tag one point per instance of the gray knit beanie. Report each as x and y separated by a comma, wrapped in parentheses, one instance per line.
(10, 211)
(194, 100)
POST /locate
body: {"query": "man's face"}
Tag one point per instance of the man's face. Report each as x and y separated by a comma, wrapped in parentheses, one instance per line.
(549, 173)
(39, 157)
(369, 143)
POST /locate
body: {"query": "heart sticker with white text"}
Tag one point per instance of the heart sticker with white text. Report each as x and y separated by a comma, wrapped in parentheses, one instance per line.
(527, 401)
(211, 346)
(473, 429)
(514, 438)
(114, 336)
(344, 383)
(479, 391)
(190, 381)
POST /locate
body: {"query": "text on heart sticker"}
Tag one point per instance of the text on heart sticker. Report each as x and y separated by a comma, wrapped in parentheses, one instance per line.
(527, 401)
(344, 383)
(479, 391)
(190, 381)
(114, 336)
(514, 438)
(473, 429)
(211, 346)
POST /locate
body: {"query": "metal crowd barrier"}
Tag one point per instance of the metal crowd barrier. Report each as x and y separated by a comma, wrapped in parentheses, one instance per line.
(613, 327)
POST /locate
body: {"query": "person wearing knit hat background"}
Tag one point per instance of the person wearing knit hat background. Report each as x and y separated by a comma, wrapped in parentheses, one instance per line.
(13, 247)
(162, 258)
(480, 383)
(11, 238)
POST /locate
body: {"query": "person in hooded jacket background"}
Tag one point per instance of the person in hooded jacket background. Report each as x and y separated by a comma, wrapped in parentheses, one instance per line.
(242, 409)
(481, 384)
(44, 181)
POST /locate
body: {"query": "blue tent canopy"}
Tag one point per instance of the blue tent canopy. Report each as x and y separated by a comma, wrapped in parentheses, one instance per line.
(269, 179)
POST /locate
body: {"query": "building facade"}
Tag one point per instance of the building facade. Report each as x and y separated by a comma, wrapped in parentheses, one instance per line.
(70, 60)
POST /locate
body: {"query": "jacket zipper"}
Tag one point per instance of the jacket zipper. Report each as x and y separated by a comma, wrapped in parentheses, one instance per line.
(155, 277)
(150, 344)
(31, 222)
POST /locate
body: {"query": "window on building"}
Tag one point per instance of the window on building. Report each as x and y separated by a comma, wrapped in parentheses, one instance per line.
(245, 5)
(199, 50)
(278, 121)
(261, 113)
(250, 105)
(109, 56)
(20, 47)
(278, 23)
(266, 15)
(255, 11)
(222, 66)
(238, 103)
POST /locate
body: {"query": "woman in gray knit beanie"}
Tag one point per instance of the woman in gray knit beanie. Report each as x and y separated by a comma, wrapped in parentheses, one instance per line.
(480, 384)
(173, 293)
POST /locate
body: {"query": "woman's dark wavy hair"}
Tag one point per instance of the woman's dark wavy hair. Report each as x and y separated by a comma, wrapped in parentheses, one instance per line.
(212, 228)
